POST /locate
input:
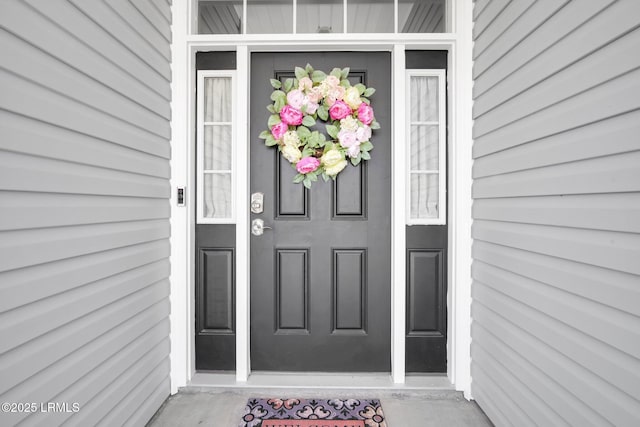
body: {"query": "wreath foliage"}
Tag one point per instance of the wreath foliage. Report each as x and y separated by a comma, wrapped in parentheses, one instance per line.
(313, 96)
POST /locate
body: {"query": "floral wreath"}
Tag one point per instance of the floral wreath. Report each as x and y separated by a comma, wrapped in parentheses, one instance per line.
(312, 95)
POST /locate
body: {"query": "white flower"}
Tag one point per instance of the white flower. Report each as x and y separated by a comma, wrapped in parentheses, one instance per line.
(363, 133)
(347, 138)
(311, 107)
(305, 83)
(352, 98)
(336, 168)
(291, 138)
(349, 123)
(295, 98)
(354, 150)
(291, 153)
(333, 162)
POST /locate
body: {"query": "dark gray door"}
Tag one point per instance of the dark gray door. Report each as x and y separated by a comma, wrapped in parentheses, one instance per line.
(320, 278)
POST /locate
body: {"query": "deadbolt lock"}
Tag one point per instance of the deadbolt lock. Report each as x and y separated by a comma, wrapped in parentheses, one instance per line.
(257, 203)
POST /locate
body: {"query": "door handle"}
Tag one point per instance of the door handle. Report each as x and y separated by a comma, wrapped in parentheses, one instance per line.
(258, 227)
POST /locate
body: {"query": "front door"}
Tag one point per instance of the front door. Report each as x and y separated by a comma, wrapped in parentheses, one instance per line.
(321, 275)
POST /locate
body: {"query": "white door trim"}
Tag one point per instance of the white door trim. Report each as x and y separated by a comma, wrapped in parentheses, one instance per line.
(183, 172)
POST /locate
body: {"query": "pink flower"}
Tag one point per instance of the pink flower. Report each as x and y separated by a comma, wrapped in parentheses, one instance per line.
(295, 98)
(339, 110)
(290, 115)
(365, 113)
(279, 130)
(307, 164)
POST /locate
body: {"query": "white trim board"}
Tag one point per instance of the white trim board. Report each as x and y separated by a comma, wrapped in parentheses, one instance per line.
(459, 209)
(321, 381)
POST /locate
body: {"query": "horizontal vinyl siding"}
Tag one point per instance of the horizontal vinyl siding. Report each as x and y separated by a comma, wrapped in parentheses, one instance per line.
(84, 209)
(556, 277)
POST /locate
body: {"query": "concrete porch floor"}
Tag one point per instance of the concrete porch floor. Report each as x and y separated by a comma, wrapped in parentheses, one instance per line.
(223, 407)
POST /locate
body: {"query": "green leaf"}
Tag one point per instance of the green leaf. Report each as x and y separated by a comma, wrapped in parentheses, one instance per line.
(325, 177)
(271, 109)
(276, 83)
(332, 131)
(264, 134)
(336, 72)
(318, 76)
(270, 142)
(308, 121)
(309, 69)
(308, 151)
(313, 139)
(344, 73)
(288, 84)
(375, 125)
(369, 91)
(328, 146)
(274, 119)
(298, 178)
(366, 156)
(323, 112)
(355, 161)
(345, 83)
(278, 94)
(279, 104)
(307, 182)
(361, 88)
(300, 73)
(303, 132)
(366, 146)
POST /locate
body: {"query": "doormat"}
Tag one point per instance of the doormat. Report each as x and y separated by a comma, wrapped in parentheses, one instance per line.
(313, 413)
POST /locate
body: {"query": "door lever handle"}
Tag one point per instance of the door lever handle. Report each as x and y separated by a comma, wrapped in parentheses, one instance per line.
(258, 227)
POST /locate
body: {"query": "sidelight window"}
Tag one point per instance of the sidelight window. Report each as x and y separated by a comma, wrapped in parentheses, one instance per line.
(215, 147)
(426, 157)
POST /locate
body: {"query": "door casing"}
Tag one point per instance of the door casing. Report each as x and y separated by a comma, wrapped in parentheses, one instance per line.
(459, 112)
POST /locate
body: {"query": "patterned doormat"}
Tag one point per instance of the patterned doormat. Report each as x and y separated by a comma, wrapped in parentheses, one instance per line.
(313, 413)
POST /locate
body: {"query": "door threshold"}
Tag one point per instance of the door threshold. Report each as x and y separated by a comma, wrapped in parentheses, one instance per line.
(315, 380)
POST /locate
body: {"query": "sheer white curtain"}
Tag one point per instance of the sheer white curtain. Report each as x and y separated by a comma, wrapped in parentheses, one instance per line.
(424, 155)
(217, 147)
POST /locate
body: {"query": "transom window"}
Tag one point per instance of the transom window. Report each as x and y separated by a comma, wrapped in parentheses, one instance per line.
(321, 16)
(426, 157)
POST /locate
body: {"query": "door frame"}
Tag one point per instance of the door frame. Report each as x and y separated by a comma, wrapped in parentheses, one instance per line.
(459, 84)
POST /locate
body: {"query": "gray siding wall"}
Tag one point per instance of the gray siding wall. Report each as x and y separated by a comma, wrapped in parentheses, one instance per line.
(84, 209)
(556, 268)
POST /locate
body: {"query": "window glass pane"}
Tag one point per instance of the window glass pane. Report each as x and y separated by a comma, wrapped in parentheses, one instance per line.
(421, 16)
(269, 16)
(219, 16)
(424, 148)
(324, 16)
(217, 195)
(370, 16)
(424, 195)
(217, 147)
(424, 99)
(217, 99)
